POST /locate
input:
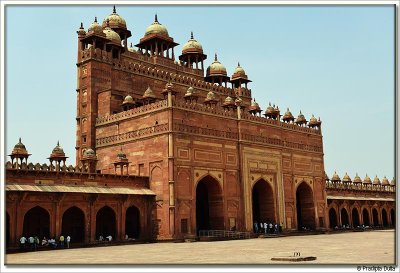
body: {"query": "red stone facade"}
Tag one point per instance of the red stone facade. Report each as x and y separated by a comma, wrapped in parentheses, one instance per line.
(212, 160)
(178, 141)
(43, 201)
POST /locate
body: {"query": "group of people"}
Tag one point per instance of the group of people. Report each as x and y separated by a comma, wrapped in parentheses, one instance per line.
(33, 242)
(266, 227)
(107, 238)
(363, 227)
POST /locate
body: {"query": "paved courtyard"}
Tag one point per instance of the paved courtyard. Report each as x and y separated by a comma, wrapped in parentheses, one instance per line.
(370, 247)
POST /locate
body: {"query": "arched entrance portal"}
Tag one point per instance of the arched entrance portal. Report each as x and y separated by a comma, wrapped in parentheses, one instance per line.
(344, 217)
(263, 202)
(393, 217)
(105, 222)
(365, 217)
(332, 218)
(7, 229)
(305, 207)
(375, 217)
(385, 221)
(356, 217)
(37, 222)
(73, 224)
(132, 222)
(209, 205)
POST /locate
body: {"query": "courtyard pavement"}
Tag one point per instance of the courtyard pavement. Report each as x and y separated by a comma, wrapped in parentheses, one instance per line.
(369, 247)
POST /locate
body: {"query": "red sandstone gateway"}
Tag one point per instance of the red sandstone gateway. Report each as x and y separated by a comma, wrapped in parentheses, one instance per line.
(154, 162)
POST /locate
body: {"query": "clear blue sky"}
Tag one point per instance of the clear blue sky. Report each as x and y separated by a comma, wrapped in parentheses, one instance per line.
(336, 62)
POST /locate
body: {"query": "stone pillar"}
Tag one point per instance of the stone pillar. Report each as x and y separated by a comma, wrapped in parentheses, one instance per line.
(92, 222)
(171, 180)
(118, 221)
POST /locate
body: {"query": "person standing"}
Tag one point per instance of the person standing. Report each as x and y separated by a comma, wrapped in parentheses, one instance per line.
(62, 241)
(31, 242)
(44, 241)
(255, 227)
(68, 240)
(36, 243)
(22, 242)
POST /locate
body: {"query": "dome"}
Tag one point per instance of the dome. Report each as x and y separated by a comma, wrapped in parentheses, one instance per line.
(112, 35)
(335, 177)
(254, 106)
(346, 178)
(156, 28)
(357, 179)
(313, 121)
(115, 20)
(95, 27)
(81, 30)
(393, 182)
(121, 155)
(238, 101)
(301, 119)
(270, 109)
(385, 181)
(229, 100)
(58, 150)
(288, 115)
(89, 153)
(19, 148)
(239, 70)
(376, 181)
(192, 46)
(128, 99)
(367, 180)
(216, 68)
(210, 96)
(189, 92)
(149, 93)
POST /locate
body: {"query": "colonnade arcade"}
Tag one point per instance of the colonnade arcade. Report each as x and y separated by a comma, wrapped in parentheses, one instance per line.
(84, 223)
(210, 209)
(379, 214)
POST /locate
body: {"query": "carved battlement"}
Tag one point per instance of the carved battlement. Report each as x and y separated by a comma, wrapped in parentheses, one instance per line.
(217, 110)
(144, 65)
(78, 172)
(132, 112)
(132, 135)
(340, 186)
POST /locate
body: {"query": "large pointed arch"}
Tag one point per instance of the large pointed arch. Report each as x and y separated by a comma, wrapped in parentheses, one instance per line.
(333, 221)
(73, 224)
(305, 207)
(393, 217)
(366, 220)
(132, 222)
(263, 202)
(385, 221)
(7, 229)
(209, 204)
(344, 216)
(106, 222)
(375, 217)
(355, 216)
(37, 222)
